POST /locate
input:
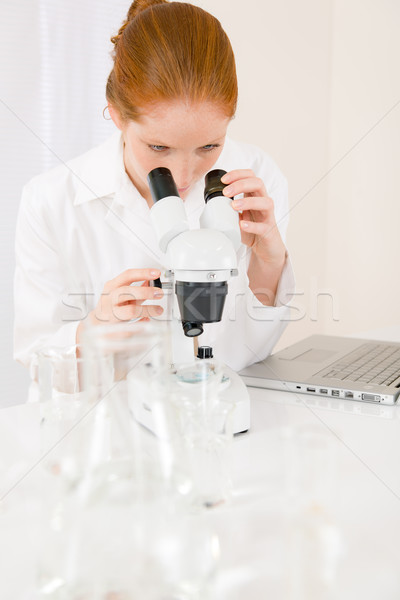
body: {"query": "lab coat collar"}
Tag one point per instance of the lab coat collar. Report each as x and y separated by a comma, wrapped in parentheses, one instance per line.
(97, 173)
(100, 175)
(129, 215)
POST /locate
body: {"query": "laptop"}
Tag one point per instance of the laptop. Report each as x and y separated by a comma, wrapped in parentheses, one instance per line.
(323, 365)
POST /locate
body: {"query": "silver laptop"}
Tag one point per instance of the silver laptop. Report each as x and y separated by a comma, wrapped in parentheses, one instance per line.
(323, 365)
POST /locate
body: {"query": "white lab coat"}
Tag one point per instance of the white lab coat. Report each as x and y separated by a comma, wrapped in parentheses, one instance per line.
(84, 222)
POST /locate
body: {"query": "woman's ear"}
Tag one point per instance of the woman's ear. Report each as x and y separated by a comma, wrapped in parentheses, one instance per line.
(115, 116)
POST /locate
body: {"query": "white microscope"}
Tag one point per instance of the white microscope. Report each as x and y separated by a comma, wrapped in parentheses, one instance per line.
(200, 262)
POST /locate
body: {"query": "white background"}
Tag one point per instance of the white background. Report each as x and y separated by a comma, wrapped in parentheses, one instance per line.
(319, 90)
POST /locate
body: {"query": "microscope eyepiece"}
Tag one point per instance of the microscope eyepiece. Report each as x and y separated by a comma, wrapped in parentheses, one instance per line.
(213, 184)
(161, 184)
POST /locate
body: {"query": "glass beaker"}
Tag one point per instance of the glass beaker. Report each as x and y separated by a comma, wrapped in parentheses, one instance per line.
(62, 404)
(206, 425)
(60, 372)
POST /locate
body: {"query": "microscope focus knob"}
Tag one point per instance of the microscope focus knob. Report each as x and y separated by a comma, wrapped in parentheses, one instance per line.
(204, 352)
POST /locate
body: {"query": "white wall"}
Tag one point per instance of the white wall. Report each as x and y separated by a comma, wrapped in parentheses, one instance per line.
(315, 77)
(19, 160)
(364, 188)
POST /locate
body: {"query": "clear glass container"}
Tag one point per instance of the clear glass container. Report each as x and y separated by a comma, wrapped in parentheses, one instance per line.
(206, 426)
(126, 525)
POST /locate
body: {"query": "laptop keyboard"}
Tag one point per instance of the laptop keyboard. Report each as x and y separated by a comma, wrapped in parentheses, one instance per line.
(370, 363)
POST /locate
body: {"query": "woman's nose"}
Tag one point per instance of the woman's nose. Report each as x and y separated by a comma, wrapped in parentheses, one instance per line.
(182, 174)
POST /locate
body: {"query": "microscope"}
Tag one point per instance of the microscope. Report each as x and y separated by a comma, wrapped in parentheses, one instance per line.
(199, 264)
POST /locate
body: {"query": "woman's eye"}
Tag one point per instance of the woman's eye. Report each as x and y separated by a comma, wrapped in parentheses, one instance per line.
(209, 147)
(157, 148)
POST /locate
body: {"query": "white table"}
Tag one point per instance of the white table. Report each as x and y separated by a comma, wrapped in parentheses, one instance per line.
(315, 510)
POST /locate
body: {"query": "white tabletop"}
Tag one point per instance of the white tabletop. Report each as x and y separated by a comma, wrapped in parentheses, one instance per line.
(314, 513)
(316, 509)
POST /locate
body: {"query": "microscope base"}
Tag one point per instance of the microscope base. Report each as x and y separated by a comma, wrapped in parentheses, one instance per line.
(233, 390)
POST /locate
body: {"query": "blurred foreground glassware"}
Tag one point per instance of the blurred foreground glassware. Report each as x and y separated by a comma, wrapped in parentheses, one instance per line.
(125, 368)
(61, 394)
(64, 429)
(127, 516)
(314, 543)
(60, 372)
(206, 426)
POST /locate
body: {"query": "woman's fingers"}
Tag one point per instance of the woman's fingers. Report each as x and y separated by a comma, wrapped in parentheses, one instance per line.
(244, 182)
(262, 204)
(134, 311)
(121, 301)
(257, 228)
(134, 293)
(236, 174)
(130, 276)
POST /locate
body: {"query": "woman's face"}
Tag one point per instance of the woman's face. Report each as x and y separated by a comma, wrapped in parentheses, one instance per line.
(185, 138)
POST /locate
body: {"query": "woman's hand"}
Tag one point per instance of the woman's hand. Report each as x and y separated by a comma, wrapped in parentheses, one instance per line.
(120, 301)
(259, 232)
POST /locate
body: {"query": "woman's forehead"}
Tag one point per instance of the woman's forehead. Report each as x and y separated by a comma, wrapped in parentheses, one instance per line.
(174, 120)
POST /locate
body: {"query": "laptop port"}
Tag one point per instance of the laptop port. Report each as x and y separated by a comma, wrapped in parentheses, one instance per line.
(348, 395)
(323, 391)
(310, 389)
(335, 393)
(371, 398)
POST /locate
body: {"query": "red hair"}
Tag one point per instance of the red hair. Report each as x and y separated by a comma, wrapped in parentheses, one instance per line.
(168, 51)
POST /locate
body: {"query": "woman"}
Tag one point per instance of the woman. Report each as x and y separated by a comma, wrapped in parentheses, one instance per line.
(86, 250)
